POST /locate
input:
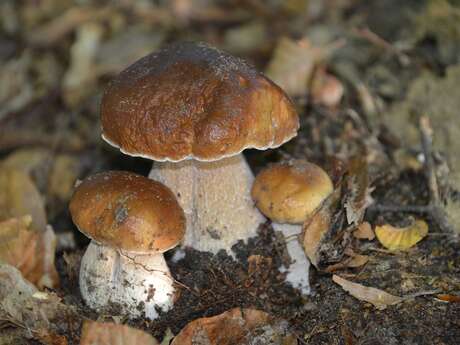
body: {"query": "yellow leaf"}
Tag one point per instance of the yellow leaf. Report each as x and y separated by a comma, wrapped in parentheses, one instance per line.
(394, 238)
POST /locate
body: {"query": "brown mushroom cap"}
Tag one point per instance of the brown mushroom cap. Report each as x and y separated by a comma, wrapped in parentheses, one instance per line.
(190, 100)
(290, 192)
(127, 211)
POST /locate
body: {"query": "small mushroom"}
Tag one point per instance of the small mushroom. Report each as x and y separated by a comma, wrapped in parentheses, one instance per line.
(193, 109)
(288, 193)
(131, 220)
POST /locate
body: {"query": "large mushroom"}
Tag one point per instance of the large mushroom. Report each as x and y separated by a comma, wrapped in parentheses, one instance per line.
(131, 220)
(288, 193)
(193, 109)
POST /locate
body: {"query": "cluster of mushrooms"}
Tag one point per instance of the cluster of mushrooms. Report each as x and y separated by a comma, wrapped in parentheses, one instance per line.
(192, 109)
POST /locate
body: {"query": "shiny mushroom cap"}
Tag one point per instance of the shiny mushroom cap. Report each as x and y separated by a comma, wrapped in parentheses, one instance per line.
(191, 100)
(126, 211)
(290, 192)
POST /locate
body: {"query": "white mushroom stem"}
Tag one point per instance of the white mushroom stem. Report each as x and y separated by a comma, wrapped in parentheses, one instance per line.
(135, 283)
(216, 200)
(298, 270)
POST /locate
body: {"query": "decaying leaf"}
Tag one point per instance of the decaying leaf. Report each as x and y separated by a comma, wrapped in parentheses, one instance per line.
(79, 79)
(62, 176)
(358, 192)
(39, 312)
(379, 298)
(32, 161)
(394, 238)
(326, 89)
(107, 333)
(30, 251)
(236, 326)
(319, 229)
(292, 65)
(448, 298)
(20, 197)
(352, 260)
(364, 232)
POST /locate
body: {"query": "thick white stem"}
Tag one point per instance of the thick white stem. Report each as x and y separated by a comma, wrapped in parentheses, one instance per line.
(298, 270)
(137, 284)
(216, 200)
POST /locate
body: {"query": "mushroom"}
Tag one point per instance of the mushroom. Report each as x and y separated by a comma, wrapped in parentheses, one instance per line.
(131, 221)
(288, 193)
(193, 109)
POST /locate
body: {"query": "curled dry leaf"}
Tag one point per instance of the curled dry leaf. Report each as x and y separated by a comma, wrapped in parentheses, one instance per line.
(320, 229)
(352, 260)
(79, 79)
(379, 298)
(20, 197)
(358, 192)
(326, 90)
(29, 251)
(292, 65)
(236, 326)
(22, 304)
(448, 298)
(394, 238)
(364, 232)
(107, 333)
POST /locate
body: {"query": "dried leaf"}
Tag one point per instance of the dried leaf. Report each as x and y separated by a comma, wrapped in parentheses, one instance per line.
(352, 260)
(107, 333)
(292, 65)
(394, 238)
(29, 251)
(358, 192)
(20, 197)
(379, 298)
(448, 298)
(326, 89)
(22, 304)
(32, 161)
(63, 176)
(125, 48)
(79, 79)
(236, 326)
(16, 89)
(319, 227)
(364, 232)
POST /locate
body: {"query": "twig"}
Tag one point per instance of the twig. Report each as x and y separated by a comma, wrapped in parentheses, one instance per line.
(378, 41)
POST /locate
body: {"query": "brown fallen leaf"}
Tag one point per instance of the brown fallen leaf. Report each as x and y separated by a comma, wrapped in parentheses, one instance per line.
(326, 90)
(62, 177)
(319, 230)
(39, 313)
(236, 326)
(364, 232)
(30, 251)
(107, 333)
(352, 260)
(292, 65)
(379, 298)
(20, 197)
(448, 298)
(358, 192)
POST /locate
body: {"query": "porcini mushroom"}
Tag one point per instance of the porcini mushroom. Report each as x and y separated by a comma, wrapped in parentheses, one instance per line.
(193, 109)
(131, 220)
(288, 193)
